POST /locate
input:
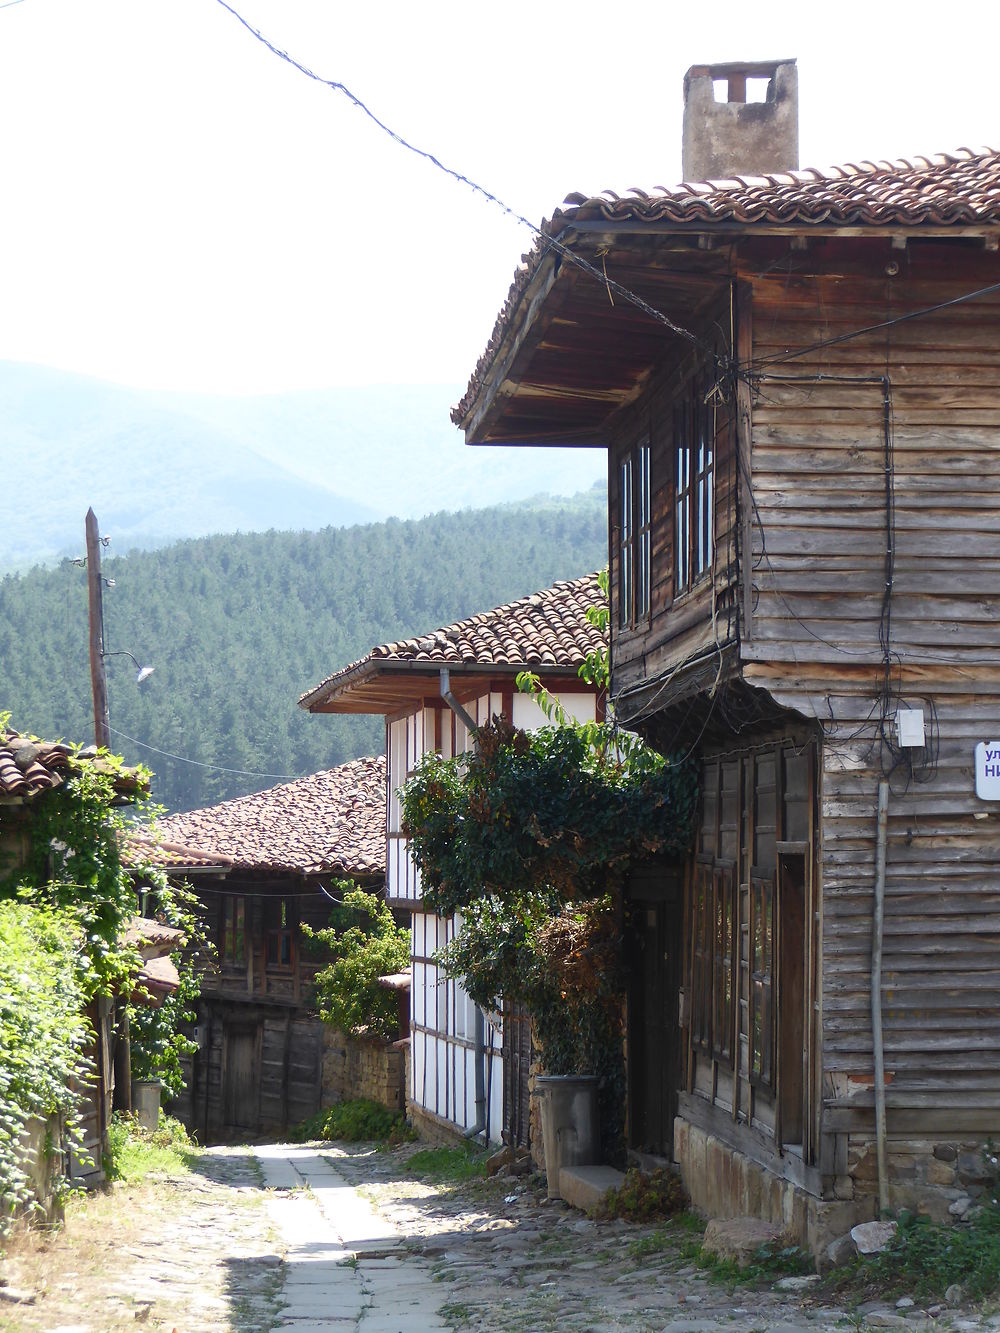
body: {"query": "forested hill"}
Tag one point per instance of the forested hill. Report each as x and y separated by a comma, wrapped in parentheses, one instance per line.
(237, 627)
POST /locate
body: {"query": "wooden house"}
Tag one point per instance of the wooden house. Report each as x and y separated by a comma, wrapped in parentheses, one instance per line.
(262, 866)
(468, 1071)
(796, 376)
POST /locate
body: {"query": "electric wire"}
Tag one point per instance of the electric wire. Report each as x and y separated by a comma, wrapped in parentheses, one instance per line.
(549, 242)
(217, 768)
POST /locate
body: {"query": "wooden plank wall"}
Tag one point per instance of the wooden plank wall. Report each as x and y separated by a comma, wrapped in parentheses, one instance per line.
(817, 463)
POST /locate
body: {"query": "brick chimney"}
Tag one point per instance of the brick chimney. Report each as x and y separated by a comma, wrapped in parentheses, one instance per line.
(750, 129)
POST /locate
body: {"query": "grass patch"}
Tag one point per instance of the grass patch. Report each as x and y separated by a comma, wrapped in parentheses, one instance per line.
(134, 1152)
(461, 1162)
(685, 1229)
(925, 1258)
(767, 1265)
(359, 1121)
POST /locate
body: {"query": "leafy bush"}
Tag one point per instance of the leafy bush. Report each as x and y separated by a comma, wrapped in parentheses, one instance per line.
(348, 995)
(360, 1121)
(644, 1197)
(43, 1031)
(527, 838)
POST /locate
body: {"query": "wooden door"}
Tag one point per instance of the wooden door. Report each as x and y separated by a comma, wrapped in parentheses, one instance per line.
(240, 1078)
(516, 1065)
(653, 944)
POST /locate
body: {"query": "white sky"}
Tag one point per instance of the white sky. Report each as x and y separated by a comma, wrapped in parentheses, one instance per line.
(182, 210)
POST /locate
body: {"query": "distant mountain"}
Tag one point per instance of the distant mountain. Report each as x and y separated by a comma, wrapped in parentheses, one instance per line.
(237, 627)
(157, 467)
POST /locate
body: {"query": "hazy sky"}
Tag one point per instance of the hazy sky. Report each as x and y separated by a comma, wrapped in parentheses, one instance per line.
(183, 210)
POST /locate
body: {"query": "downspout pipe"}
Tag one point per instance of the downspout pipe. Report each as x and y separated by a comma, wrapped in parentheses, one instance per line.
(480, 1022)
(878, 917)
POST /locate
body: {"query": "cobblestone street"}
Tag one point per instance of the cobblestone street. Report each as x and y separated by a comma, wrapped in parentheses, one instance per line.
(325, 1239)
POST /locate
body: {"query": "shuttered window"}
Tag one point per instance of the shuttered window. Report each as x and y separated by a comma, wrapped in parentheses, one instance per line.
(762, 980)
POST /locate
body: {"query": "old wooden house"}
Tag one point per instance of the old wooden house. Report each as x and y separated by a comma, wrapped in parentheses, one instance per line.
(262, 866)
(468, 1071)
(796, 375)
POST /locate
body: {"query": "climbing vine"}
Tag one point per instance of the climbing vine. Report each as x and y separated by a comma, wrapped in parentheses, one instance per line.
(75, 865)
(362, 944)
(530, 838)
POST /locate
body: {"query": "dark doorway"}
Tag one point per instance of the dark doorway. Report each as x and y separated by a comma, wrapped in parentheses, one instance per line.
(240, 1079)
(653, 954)
(791, 996)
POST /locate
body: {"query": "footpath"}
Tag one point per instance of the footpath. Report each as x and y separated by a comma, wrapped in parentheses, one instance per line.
(338, 1238)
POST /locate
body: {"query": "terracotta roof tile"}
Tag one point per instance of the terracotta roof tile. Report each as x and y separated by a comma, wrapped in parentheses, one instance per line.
(546, 629)
(332, 821)
(946, 190)
(29, 766)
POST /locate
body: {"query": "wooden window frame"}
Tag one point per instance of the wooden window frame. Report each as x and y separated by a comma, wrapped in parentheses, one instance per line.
(279, 937)
(635, 535)
(694, 449)
(233, 952)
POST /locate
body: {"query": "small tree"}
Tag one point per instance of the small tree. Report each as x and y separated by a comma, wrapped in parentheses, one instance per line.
(364, 943)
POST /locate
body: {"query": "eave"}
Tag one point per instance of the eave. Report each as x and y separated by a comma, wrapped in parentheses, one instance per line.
(389, 687)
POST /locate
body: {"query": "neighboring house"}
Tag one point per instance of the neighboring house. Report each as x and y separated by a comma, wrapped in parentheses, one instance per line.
(262, 865)
(468, 1072)
(803, 424)
(30, 771)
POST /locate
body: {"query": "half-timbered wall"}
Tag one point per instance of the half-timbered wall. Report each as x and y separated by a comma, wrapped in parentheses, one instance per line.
(442, 1018)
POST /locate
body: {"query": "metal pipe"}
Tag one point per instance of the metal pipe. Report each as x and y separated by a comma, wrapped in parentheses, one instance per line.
(453, 703)
(878, 915)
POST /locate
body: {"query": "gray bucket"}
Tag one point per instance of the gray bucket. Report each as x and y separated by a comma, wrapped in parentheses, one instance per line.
(570, 1126)
(146, 1102)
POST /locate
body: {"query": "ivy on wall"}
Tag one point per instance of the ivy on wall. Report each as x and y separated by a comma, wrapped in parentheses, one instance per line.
(531, 838)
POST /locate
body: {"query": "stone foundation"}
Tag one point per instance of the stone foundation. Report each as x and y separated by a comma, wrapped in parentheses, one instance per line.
(353, 1068)
(725, 1183)
(434, 1128)
(927, 1177)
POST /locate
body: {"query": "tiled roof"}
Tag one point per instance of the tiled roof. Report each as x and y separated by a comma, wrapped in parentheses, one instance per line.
(548, 629)
(947, 190)
(950, 189)
(152, 937)
(29, 766)
(151, 849)
(332, 821)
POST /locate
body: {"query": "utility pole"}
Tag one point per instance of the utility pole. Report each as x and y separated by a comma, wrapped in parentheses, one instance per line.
(121, 1097)
(95, 588)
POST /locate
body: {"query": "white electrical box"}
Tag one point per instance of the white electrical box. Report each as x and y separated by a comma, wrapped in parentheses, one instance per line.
(910, 727)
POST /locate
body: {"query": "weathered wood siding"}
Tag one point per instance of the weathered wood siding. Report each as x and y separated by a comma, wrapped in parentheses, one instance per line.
(819, 548)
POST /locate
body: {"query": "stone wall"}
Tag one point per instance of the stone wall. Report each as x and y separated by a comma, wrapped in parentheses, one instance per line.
(939, 1180)
(354, 1068)
(725, 1183)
